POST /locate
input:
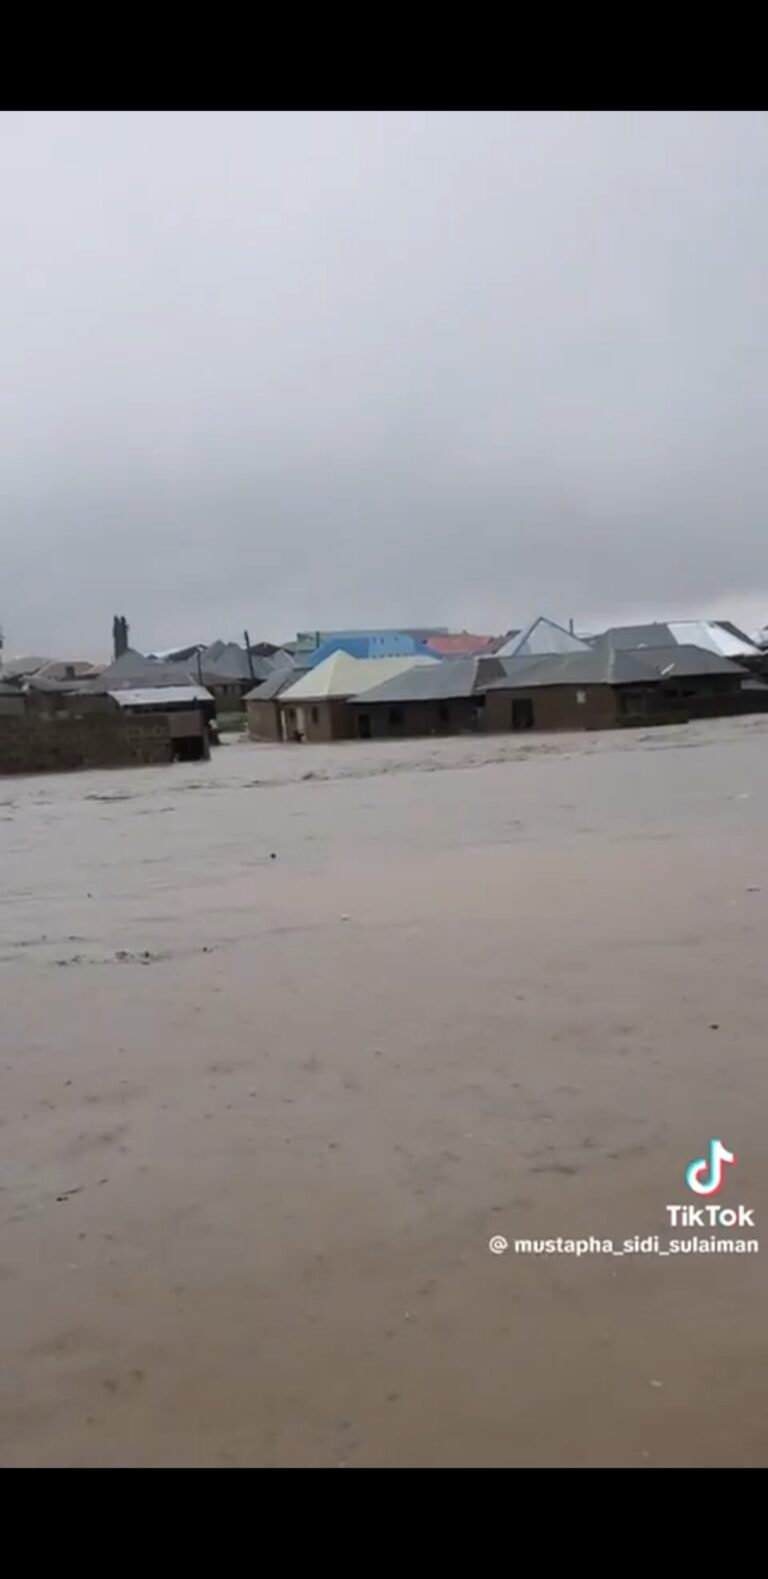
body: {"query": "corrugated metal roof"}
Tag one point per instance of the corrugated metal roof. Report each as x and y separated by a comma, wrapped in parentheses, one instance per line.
(341, 676)
(541, 638)
(628, 637)
(377, 644)
(710, 635)
(274, 686)
(461, 644)
(227, 661)
(133, 669)
(11, 668)
(591, 666)
(311, 640)
(435, 682)
(687, 660)
(714, 637)
(161, 696)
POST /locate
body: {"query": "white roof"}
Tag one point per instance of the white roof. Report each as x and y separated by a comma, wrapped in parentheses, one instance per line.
(160, 695)
(342, 675)
(712, 637)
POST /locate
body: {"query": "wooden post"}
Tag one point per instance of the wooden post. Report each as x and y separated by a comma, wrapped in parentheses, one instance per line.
(247, 640)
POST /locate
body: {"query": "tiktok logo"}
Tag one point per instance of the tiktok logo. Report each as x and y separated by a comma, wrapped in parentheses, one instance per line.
(705, 1175)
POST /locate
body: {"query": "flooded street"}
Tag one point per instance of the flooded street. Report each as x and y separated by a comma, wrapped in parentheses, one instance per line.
(289, 1035)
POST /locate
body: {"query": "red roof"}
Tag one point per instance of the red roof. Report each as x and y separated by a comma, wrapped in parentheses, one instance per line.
(463, 643)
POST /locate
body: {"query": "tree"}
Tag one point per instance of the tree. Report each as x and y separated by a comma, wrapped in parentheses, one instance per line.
(119, 635)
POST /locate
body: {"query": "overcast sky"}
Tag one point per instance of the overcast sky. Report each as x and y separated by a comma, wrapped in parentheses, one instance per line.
(310, 369)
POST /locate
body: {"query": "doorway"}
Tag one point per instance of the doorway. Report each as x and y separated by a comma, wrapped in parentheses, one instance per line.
(522, 713)
(364, 726)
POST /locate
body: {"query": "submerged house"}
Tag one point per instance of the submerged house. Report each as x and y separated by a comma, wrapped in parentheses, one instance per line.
(52, 727)
(261, 709)
(427, 699)
(588, 689)
(184, 711)
(703, 685)
(317, 706)
(133, 711)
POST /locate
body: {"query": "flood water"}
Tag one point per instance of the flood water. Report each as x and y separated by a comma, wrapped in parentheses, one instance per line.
(288, 1036)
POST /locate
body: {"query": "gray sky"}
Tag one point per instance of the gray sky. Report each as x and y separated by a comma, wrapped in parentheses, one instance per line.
(298, 369)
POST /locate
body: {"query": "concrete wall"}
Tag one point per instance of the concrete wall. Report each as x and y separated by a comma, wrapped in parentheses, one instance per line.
(42, 742)
(462, 715)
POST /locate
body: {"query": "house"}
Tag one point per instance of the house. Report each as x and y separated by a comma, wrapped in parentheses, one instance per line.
(57, 729)
(539, 639)
(261, 709)
(377, 644)
(185, 710)
(309, 641)
(427, 699)
(701, 683)
(316, 707)
(589, 689)
(229, 672)
(717, 636)
(462, 644)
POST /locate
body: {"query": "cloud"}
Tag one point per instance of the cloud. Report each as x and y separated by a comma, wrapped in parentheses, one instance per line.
(288, 370)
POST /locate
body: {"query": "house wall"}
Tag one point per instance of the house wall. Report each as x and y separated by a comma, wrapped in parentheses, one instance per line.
(714, 696)
(462, 715)
(184, 722)
(263, 720)
(555, 707)
(49, 742)
(317, 721)
(67, 704)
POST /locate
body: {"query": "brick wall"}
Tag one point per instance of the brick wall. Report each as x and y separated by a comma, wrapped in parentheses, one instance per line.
(49, 742)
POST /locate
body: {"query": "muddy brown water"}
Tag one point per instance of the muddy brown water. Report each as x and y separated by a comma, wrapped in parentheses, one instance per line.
(260, 1117)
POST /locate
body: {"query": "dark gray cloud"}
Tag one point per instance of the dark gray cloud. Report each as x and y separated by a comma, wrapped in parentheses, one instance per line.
(296, 369)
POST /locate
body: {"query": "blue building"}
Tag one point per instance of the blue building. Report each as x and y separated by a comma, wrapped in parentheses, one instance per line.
(367, 644)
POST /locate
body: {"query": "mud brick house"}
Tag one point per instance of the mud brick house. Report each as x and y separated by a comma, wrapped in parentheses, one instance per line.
(183, 710)
(430, 699)
(52, 728)
(586, 689)
(702, 684)
(317, 707)
(261, 705)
